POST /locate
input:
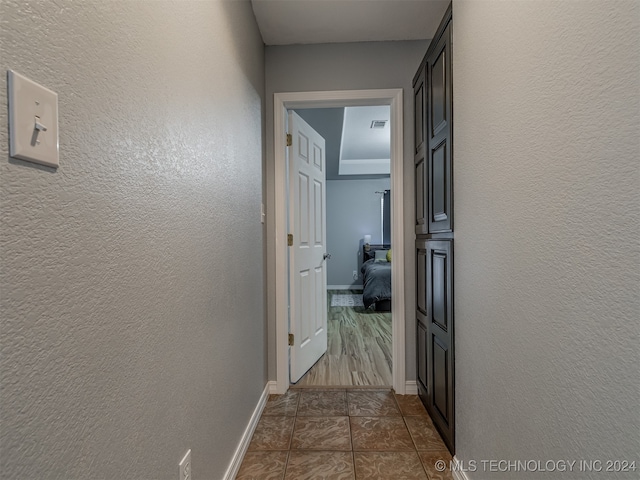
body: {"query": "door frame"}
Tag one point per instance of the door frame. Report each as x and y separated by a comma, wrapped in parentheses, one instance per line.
(328, 99)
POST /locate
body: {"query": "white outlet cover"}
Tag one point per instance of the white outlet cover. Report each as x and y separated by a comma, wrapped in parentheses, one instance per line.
(185, 466)
(33, 121)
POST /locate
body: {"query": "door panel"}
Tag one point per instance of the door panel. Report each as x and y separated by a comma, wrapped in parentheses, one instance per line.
(438, 92)
(440, 384)
(440, 335)
(438, 286)
(422, 356)
(422, 223)
(440, 188)
(421, 317)
(319, 315)
(421, 216)
(302, 227)
(318, 207)
(307, 219)
(305, 307)
(421, 293)
(418, 111)
(440, 131)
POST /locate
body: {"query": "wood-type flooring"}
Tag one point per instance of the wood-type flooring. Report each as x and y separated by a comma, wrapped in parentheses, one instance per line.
(359, 348)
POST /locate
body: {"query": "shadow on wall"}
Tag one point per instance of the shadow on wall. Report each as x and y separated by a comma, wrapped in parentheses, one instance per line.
(251, 66)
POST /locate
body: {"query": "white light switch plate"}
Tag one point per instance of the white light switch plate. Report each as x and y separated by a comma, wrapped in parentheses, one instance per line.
(33, 121)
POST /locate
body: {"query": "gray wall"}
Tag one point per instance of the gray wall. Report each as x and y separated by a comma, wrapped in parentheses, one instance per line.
(353, 210)
(547, 213)
(353, 66)
(328, 123)
(130, 330)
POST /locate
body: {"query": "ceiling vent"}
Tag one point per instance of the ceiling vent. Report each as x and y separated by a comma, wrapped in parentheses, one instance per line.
(378, 123)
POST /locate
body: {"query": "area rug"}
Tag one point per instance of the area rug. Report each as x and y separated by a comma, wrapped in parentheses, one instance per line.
(346, 300)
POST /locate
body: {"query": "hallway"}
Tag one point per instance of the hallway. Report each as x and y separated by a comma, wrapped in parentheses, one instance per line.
(344, 434)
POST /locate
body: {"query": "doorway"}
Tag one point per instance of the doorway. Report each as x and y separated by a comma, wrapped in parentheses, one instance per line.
(357, 146)
(288, 101)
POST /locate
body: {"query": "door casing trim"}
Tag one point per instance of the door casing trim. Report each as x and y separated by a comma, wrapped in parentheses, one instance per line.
(328, 99)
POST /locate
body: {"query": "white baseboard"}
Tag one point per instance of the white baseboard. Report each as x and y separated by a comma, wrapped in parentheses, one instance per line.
(238, 455)
(459, 474)
(273, 386)
(411, 388)
(344, 287)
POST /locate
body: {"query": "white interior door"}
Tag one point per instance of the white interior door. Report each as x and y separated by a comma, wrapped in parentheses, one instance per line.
(307, 262)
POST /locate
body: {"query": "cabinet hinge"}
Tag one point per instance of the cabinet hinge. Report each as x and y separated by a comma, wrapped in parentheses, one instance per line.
(289, 140)
(291, 339)
(290, 239)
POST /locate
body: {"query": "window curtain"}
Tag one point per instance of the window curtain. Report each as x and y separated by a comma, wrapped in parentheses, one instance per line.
(386, 217)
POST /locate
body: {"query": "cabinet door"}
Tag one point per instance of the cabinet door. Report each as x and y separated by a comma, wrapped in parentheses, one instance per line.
(440, 359)
(439, 136)
(421, 277)
(421, 351)
(422, 224)
(421, 318)
(419, 110)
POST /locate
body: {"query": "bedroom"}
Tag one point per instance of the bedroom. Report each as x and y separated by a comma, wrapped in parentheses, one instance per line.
(359, 344)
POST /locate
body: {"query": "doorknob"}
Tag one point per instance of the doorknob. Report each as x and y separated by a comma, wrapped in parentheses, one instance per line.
(326, 256)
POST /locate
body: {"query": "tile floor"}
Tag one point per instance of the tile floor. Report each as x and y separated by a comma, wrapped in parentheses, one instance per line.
(344, 434)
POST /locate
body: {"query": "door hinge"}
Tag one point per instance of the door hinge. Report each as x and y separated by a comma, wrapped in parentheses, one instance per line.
(291, 339)
(290, 239)
(289, 140)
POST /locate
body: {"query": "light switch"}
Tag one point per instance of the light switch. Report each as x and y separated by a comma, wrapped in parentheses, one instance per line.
(33, 121)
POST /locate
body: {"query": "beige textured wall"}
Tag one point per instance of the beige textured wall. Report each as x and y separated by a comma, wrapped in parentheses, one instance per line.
(547, 208)
(131, 280)
(346, 66)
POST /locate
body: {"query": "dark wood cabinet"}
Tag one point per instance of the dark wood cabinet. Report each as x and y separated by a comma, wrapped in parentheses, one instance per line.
(433, 159)
(433, 131)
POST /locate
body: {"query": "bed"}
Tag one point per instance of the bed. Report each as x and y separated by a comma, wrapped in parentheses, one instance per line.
(376, 273)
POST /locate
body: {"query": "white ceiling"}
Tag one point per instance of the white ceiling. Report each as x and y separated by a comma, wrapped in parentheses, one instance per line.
(365, 150)
(287, 22)
(353, 149)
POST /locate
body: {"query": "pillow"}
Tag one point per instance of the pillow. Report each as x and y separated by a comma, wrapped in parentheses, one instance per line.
(389, 256)
(381, 255)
